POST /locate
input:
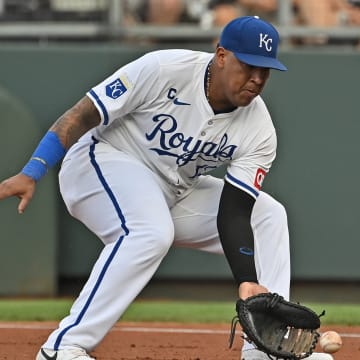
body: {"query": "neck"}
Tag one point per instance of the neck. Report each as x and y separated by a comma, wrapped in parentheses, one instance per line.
(217, 108)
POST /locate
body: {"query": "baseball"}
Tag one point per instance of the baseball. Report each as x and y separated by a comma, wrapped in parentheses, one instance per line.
(330, 342)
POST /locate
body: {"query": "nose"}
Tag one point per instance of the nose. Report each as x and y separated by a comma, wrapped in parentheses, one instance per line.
(259, 75)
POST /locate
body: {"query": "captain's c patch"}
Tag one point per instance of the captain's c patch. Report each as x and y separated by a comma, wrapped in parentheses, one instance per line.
(259, 178)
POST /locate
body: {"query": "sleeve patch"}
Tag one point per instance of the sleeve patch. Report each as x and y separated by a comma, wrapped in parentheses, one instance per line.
(116, 88)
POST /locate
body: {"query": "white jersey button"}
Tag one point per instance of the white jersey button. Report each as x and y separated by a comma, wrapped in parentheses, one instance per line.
(203, 133)
(210, 122)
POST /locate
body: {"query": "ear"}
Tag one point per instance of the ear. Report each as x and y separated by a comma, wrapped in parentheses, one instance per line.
(220, 56)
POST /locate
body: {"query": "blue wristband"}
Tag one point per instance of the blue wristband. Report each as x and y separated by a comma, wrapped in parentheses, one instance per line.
(47, 154)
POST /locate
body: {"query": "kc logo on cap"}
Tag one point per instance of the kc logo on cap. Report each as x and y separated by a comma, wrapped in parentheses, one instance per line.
(266, 41)
(253, 41)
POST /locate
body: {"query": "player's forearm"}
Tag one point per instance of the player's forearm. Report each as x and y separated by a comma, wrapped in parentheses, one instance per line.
(75, 122)
(236, 234)
(61, 136)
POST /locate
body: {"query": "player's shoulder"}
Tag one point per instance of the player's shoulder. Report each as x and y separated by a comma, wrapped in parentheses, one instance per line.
(258, 109)
(259, 103)
(256, 118)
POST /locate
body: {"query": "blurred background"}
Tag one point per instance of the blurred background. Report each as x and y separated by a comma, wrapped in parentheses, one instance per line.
(53, 51)
(300, 22)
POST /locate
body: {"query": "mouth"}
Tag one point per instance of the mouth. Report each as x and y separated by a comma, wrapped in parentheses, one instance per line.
(251, 92)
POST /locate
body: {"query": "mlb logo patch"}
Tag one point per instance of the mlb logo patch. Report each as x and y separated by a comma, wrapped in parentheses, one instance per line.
(115, 89)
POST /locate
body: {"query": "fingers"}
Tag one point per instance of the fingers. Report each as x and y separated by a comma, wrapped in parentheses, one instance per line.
(247, 289)
(21, 186)
(23, 205)
(25, 199)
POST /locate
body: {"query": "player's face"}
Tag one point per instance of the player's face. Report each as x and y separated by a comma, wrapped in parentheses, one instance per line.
(241, 82)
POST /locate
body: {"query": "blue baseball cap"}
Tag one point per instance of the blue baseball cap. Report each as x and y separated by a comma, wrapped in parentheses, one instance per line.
(253, 41)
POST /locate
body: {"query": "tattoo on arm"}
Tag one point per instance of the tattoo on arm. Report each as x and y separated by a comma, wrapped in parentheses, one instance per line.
(76, 121)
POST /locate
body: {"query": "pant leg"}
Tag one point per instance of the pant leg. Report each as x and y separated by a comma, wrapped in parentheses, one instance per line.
(272, 254)
(270, 227)
(195, 227)
(195, 216)
(119, 200)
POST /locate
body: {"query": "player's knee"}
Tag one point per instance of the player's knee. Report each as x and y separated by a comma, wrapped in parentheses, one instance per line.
(278, 210)
(160, 237)
(273, 208)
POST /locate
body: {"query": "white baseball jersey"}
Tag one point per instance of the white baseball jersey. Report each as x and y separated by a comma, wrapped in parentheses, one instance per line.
(155, 108)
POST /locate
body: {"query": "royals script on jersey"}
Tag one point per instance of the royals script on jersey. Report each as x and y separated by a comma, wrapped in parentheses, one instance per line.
(156, 109)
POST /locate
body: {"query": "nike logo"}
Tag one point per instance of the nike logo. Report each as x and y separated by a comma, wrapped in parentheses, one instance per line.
(47, 357)
(246, 251)
(172, 96)
(178, 102)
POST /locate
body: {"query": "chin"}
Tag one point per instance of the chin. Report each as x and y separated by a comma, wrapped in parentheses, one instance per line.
(243, 103)
(244, 100)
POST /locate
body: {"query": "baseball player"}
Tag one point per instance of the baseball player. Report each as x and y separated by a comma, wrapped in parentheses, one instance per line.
(137, 149)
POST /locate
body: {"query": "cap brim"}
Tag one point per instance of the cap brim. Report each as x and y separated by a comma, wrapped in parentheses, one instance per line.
(261, 61)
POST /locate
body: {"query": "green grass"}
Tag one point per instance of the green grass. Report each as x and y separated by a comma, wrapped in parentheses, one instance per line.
(163, 311)
(345, 314)
(34, 310)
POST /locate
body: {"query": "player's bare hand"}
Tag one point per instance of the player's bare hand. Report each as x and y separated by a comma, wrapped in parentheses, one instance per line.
(247, 289)
(21, 186)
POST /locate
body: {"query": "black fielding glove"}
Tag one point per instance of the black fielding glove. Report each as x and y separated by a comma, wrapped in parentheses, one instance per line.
(278, 327)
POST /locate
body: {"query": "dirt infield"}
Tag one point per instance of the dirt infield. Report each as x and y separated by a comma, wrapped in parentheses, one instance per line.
(152, 341)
